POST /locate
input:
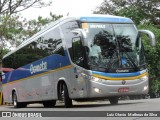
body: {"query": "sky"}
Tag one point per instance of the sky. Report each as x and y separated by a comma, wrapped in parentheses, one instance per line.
(63, 7)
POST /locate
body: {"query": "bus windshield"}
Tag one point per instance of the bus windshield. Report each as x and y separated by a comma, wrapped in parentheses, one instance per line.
(113, 46)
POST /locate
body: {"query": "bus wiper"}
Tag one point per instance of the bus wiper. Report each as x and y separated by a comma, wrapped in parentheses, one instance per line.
(120, 49)
(111, 59)
(130, 58)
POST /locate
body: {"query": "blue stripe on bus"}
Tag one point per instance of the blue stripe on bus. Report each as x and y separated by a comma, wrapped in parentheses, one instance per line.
(53, 62)
(106, 19)
(119, 75)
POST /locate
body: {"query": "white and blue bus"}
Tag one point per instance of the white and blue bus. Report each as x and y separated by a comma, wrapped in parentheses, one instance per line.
(56, 63)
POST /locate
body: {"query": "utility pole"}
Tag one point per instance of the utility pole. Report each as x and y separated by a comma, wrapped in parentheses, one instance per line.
(1, 52)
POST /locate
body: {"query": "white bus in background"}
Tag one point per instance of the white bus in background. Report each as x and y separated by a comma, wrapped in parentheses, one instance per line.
(67, 72)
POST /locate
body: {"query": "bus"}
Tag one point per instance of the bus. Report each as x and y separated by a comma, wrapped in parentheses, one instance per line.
(2, 70)
(65, 69)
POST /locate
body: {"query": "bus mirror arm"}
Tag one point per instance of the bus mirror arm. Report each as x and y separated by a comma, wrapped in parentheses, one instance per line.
(79, 32)
(151, 36)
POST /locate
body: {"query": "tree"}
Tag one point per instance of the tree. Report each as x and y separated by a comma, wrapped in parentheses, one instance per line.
(10, 7)
(17, 29)
(33, 26)
(152, 57)
(146, 9)
(107, 7)
(132, 13)
(9, 25)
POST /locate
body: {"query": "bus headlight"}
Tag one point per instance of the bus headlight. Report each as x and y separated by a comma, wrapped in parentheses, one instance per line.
(97, 90)
(145, 88)
(144, 78)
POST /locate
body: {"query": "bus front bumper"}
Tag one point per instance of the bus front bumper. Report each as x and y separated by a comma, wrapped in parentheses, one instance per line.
(107, 88)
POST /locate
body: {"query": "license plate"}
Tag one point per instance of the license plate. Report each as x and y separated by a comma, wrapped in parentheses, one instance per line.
(123, 89)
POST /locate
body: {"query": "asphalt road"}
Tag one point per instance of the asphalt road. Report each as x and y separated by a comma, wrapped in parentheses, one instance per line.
(99, 110)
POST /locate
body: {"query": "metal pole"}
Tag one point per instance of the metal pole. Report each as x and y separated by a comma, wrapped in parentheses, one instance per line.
(1, 66)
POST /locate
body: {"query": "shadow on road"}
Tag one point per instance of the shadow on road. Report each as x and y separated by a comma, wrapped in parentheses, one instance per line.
(79, 105)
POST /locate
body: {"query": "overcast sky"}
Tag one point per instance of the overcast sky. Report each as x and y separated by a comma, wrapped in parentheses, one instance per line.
(63, 7)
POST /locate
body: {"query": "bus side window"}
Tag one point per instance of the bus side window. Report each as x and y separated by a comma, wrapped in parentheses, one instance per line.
(77, 51)
(66, 29)
(68, 35)
(60, 51)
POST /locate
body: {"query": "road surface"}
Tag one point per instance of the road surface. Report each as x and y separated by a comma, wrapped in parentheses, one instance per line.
(97, 110)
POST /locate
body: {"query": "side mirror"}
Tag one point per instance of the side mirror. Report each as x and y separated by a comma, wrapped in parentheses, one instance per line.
(151, 36)
(79, 32)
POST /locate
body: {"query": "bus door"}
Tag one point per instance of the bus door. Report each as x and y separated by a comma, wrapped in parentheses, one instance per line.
(78, 79)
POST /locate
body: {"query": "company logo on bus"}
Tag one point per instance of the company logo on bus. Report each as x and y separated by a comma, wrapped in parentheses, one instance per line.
(119, 71)
(37, 68)
(123, 82)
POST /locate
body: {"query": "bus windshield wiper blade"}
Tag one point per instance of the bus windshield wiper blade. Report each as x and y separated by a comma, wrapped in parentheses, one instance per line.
(130, 58)
(97, 66)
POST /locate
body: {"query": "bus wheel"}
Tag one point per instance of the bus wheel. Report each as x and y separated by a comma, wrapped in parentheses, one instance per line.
(16, 104)
(67, 100)
(113, 100)
(50, 103)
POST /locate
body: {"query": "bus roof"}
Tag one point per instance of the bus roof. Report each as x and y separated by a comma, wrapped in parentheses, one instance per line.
(83, 18)
(105, 18)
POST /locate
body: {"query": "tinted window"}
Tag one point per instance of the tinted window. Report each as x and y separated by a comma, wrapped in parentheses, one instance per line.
(68, 35)
(60, 51)
(77, 56)
(44, 46)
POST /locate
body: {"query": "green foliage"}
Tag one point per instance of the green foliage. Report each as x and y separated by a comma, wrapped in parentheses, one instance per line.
(152, 57)
(5, 51)
(155, 86)
(11, 27)
(138, 10)
(15, 29)
(33, 26)
(152, 54)
(9, 7)
(132, 13)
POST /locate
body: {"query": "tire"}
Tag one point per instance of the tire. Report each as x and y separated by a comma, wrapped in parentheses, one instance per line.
(17, 104)
(49, 104)
(113, 100)
(67, 100)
